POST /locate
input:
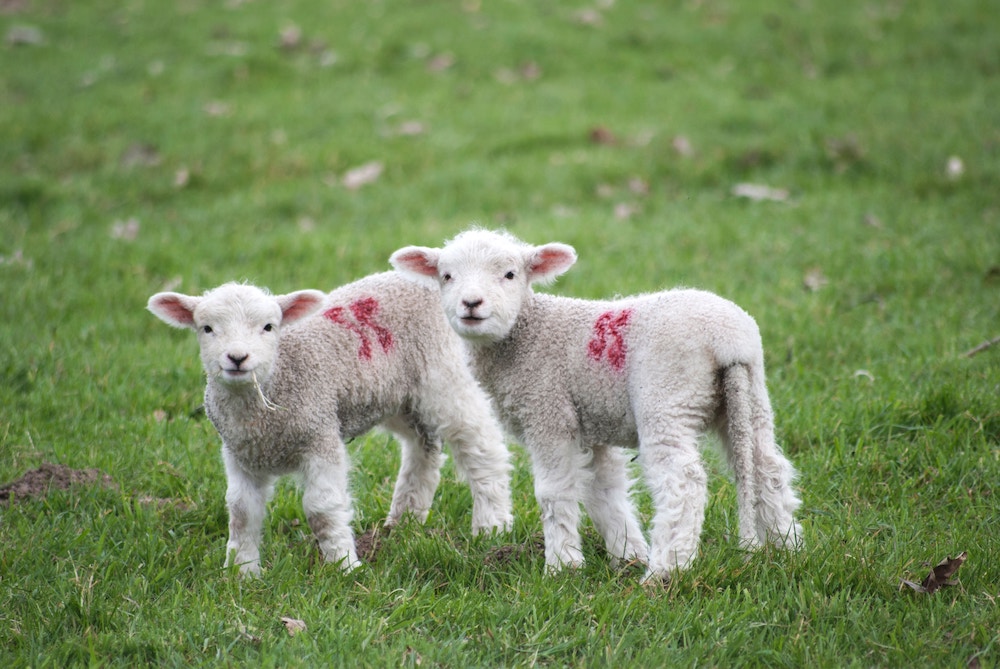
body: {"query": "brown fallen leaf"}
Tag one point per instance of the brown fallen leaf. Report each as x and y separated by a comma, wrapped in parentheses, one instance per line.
(602, 135)
(940, 575)
(12, 6)
(293, 625)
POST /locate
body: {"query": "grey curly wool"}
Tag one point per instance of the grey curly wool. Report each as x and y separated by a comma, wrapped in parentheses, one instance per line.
(291, 378)
(572, 378)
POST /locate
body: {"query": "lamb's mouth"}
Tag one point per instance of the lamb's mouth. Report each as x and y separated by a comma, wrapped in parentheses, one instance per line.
(472, 320)
(236, 374)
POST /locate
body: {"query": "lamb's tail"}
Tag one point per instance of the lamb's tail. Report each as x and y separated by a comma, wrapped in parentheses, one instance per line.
(763, 476)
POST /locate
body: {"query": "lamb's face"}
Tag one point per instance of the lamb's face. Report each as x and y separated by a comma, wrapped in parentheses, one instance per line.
(237, 329)
(237, 326)
(482, 288)
(485, 278)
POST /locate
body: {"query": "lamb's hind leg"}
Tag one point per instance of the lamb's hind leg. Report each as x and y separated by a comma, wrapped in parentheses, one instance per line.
(419, 469)
(678, 483)
(610, 507)
(763, 474)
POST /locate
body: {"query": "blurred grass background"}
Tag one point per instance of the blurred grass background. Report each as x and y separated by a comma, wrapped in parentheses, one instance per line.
(149, 145)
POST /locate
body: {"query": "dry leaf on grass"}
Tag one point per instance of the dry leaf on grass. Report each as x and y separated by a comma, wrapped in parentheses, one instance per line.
(363, 175)
(24, 36)
(293, 625)
(759, 192)
(954, 168)
(217, 109)
(440, 62)
(682, 145)
(17, 259)
(602, 135)
(939, 576)
(626, 210)
(127, 230)
(814, 279)
(410, 129)
(290, 37)
(140, 154)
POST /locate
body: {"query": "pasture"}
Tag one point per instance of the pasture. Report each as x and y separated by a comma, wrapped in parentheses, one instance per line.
(831, 167)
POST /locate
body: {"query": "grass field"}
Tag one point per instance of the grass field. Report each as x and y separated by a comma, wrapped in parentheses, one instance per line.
(147, 145)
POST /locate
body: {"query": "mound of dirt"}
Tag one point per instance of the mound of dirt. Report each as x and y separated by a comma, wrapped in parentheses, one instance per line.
(38, 482)
(369, 543)
(507, 554)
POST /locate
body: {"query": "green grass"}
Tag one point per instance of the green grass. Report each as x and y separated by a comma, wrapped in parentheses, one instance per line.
(227, 150)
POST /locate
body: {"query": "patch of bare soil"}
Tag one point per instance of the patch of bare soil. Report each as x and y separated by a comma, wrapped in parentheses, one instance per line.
(504, 555)
(39, 482)
(369, 543)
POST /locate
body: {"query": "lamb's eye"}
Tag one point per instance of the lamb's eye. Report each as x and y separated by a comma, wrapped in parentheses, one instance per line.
(207, 329)
(446, 276)
(268, 327)
(509, 276)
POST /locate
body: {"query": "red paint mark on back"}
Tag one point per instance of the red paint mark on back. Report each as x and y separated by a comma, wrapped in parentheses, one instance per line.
(609, 338)
(363, 312)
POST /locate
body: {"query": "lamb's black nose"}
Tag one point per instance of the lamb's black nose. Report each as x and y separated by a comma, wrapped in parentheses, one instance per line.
(238, 359)
(471, 304)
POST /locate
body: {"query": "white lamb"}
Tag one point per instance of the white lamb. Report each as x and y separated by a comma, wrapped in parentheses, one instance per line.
(571, 378)
(288, 386)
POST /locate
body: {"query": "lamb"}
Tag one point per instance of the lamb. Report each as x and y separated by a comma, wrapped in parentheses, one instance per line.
(291, 378)
(572, 378)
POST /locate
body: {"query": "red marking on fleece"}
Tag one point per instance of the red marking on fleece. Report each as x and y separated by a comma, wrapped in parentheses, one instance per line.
(609, 340)
(364, 311)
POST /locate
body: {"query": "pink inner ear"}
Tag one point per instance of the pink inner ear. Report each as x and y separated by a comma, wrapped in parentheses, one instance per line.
(302, 305)
(418, 261)
(552, 260)
(173, 308)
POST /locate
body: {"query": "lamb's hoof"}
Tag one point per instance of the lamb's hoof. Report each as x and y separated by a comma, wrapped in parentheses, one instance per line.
(656, 579)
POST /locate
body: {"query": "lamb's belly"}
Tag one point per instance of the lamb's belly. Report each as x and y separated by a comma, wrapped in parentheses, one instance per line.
(612, 425)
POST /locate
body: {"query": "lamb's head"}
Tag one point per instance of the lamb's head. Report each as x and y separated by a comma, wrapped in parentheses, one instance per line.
(485, 277)
(237, 326)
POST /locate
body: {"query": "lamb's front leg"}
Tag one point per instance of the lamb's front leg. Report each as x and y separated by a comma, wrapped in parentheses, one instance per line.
(327, 504)
(558, 471)
(246, 500)
(466, 421)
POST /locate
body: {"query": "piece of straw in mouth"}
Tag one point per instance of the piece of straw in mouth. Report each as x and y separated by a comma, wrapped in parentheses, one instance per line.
(268, 404)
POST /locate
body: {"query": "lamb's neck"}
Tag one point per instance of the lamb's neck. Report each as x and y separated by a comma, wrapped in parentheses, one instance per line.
(242, 399)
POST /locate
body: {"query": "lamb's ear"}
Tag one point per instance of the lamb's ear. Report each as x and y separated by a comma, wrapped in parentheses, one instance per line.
(174, 309)
(416, 260)
(299, 304)
(547, 262)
